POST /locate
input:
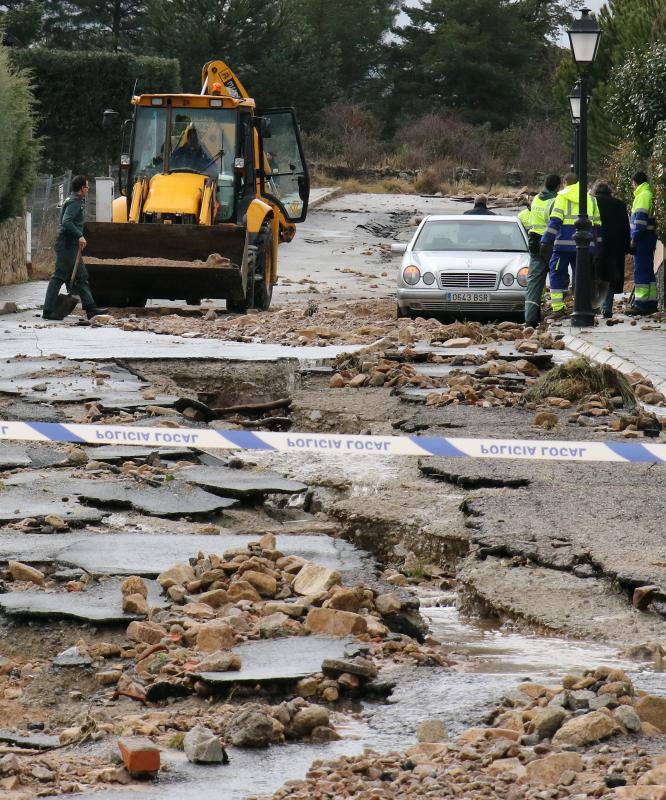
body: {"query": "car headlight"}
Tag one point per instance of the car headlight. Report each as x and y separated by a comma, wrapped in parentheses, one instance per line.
(411, 275)
(507, 279)
(522, 276)
(428, 278)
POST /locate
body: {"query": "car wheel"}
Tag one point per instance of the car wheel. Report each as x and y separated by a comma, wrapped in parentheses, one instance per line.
(404, 313)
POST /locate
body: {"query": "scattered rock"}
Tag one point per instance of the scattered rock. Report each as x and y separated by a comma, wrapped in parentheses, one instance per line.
(547, 721)
(589, 728)
(431, 730)
(652, 709)
(307, 719)
(628, 718)
(146, 632)
(545, 419)
(549, 770)
(313, 578)
(22, 572)
(251, 727)
(215, 635)
(202, 746)
(335, 623)
(135, 604)
(178, 575)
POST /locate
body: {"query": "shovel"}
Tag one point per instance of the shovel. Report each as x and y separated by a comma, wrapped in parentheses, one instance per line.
(66, 303)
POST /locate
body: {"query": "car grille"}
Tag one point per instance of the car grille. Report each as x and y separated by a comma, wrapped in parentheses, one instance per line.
(467, 280)
(500, 306)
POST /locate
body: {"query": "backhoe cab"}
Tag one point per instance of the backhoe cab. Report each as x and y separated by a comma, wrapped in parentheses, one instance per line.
(209, 187)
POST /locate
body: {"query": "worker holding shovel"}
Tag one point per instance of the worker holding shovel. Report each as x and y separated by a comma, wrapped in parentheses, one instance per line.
(69, 268)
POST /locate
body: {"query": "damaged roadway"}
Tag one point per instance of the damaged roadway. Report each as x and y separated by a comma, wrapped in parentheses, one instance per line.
(258, 554)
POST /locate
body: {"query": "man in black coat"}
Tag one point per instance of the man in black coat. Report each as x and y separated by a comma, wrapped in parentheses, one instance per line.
(616, 243)
(480, 206)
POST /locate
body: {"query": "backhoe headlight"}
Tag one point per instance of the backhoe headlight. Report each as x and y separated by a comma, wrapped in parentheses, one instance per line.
(508, 279)
(411, 275)
(522, 276)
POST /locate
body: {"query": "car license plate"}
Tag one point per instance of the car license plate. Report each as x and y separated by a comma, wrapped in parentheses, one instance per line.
(467, 297)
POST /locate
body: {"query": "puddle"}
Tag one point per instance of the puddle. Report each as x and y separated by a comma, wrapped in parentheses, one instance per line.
(491, 661)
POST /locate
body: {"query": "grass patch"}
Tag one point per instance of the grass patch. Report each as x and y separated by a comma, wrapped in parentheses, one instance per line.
(579, 378)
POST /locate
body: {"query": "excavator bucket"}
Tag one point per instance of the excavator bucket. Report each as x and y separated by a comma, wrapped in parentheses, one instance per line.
(131, 262)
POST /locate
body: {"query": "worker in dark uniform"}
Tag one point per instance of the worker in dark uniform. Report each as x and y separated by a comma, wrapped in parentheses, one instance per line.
(70, 239)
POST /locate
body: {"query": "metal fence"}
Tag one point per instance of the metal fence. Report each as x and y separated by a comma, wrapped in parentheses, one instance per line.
(45, 204)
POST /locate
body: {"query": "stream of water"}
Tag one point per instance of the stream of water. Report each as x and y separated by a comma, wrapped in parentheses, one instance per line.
(490, 661)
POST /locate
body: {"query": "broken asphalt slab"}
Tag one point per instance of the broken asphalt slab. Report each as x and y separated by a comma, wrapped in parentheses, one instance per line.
(100, 603)
(112, 452)
(12, 456)
(240, 483)
(22, 502)
(273, 660)
(80, 343)
(32, 741)
(148, 554)
(173, 499)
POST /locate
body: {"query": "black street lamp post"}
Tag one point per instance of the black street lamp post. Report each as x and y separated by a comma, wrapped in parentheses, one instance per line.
(574, 108)
(584, 35)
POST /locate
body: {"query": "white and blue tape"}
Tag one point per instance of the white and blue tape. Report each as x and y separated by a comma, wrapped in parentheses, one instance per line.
(527, 449)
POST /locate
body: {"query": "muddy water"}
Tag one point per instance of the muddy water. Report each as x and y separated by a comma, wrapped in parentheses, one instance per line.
(490, 661)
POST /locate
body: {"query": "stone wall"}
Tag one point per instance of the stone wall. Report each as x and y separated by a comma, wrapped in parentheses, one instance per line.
(13, 251)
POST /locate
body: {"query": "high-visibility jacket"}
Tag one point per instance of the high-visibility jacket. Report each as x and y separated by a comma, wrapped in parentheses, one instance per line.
(542, 205)
(643, 220)
(561, 225)
(524, 218)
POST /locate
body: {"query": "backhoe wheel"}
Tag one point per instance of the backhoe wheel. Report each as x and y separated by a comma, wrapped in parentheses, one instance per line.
(263, 283)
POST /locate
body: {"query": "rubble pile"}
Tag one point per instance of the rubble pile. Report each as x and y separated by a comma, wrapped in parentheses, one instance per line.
(587, 737)
(496, 381)
(218, 602)
(320, 322)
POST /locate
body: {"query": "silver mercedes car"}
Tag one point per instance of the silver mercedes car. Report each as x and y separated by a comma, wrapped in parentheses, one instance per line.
(464, 266)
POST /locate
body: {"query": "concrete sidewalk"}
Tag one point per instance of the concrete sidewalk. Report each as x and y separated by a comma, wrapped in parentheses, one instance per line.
(628, 348)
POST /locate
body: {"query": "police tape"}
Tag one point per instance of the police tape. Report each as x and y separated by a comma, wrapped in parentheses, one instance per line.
(334, 443)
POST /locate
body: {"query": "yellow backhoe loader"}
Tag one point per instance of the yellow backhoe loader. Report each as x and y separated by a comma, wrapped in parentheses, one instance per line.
(209, 187)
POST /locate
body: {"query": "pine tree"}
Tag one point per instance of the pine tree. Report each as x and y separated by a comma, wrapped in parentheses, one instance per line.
(21, 22)
(115, 25)
(473, 56)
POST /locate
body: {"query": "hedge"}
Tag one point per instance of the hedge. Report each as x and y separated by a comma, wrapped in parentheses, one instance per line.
(74, 88)
(658, 177)
(19, 150)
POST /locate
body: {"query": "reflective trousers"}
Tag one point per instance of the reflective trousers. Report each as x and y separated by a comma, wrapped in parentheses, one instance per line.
(559, 277)
(536, 282)
(645, 285)
(65, 260)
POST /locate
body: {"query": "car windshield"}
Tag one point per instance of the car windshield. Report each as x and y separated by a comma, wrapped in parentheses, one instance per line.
(474, 234)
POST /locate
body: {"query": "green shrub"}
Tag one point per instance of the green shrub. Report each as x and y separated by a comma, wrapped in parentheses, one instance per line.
(74, 88)
(19, 150)
(658, 177)
(623, 161)
(638, 96)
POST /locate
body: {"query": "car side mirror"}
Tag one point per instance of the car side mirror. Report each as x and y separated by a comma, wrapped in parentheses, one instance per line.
(399, 247)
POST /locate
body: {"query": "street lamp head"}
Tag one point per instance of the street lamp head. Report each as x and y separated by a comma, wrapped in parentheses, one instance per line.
(584, 35)
(574, 103)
